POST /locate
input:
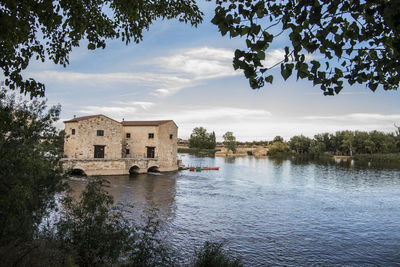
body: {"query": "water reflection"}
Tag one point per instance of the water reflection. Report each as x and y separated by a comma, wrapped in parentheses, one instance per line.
(143, 191)
(291, 212)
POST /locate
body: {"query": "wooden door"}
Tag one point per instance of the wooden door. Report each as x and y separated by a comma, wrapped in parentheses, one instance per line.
(99, 151)
(150, 152)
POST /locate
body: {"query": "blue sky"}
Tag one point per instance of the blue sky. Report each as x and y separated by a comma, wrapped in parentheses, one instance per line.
(185, 74)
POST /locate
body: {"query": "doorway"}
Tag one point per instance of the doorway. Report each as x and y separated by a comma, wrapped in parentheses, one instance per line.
(98, 152)
(150, 151)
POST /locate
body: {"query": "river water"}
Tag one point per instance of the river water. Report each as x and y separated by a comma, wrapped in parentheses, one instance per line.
(275, 212)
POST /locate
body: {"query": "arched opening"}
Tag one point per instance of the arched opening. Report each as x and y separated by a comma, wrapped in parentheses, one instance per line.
(134, 170)
(77, 172)
(153, 169)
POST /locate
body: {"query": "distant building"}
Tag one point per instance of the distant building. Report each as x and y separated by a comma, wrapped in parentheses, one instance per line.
(99, 145)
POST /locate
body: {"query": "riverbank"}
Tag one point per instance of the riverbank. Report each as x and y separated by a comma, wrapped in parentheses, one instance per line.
(221, 151)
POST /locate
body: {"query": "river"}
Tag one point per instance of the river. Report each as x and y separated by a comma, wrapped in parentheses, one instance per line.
(274, 212)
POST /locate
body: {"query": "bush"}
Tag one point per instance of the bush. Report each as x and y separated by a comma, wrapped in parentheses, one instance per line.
(212, 254)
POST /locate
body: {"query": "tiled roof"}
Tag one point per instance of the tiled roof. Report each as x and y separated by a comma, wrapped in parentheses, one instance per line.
(144, 123)
(86, 118)
(124, 123)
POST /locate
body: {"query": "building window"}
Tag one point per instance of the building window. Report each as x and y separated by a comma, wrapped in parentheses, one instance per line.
(170, 136)
(127, 151)
(128, 135)
(151, 135)
(73, 131)
(100, 133)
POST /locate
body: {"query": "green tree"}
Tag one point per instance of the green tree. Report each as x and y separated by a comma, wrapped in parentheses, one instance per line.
(29, 170)
(230, 141)
(277, 148)
(348, 142)
(278, 139)
(95, 232)
(318, 145)
(300, 144)
(49, 30)
(201, 139)
(354, 41)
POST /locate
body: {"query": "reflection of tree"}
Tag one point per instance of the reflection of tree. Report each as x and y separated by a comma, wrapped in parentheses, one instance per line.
(143, 192)
(276, 160)
(230, 160)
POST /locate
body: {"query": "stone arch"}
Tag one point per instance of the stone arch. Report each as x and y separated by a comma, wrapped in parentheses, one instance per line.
(77, 171)
(134, 169)
(153, 169)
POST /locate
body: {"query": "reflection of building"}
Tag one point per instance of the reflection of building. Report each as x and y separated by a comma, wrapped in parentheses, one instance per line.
(99, 145)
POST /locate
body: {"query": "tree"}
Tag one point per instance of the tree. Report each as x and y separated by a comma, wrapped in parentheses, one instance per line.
(201, 139)
(353, 41)
(29, 170)
(300, 144)
(278, 139)
(48, 30)
(277, 148)
(230, 141)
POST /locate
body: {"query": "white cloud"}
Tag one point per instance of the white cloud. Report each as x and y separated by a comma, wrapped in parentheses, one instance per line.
(182, 69)
(359, 117)
(274, 56)
(199, 63)
(142, 104)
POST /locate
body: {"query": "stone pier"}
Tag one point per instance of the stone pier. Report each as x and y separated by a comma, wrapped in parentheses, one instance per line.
(121, 166)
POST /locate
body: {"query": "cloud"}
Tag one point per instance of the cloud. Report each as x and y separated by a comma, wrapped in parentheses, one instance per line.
(199, 63)
(274, 56)
(170, 74)
(143, 104)
(359, 117)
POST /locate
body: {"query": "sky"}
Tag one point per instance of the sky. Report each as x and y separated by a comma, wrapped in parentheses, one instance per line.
(185, 74)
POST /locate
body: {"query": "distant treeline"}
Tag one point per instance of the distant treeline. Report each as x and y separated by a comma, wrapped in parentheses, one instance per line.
(340, 143)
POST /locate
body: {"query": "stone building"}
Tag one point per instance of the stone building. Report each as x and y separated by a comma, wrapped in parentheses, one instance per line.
(99, 145)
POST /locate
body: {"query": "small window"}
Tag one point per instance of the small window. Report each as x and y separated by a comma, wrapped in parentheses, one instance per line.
(170, 136)
(151, 135)
(100, 133)
(127, 151)
(128, 135)
(73, 131)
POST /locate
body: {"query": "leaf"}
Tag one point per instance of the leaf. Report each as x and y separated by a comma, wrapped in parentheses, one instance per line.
(261, 55)
(91, 46)
(269, 79)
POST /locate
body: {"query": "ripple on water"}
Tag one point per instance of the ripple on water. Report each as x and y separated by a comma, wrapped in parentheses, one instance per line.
(276, 212)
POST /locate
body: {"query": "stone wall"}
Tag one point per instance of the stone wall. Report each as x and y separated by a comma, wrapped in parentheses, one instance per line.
(81, 145)
(120, 166)
(139, 140)
(168, 147)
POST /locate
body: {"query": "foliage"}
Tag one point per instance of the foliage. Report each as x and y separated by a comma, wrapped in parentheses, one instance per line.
(230, 141)
(278, 139)
(213, 255)
(95, 232)
(353, 41)
(277, 148)
(29, 171)
(201, 139)
(346, 143)
(48, 30)
(300, 144)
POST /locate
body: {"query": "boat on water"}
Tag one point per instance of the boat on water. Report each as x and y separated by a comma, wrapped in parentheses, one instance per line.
(197, 169)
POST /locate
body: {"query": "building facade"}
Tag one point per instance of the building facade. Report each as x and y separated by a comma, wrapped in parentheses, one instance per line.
(99, 145)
